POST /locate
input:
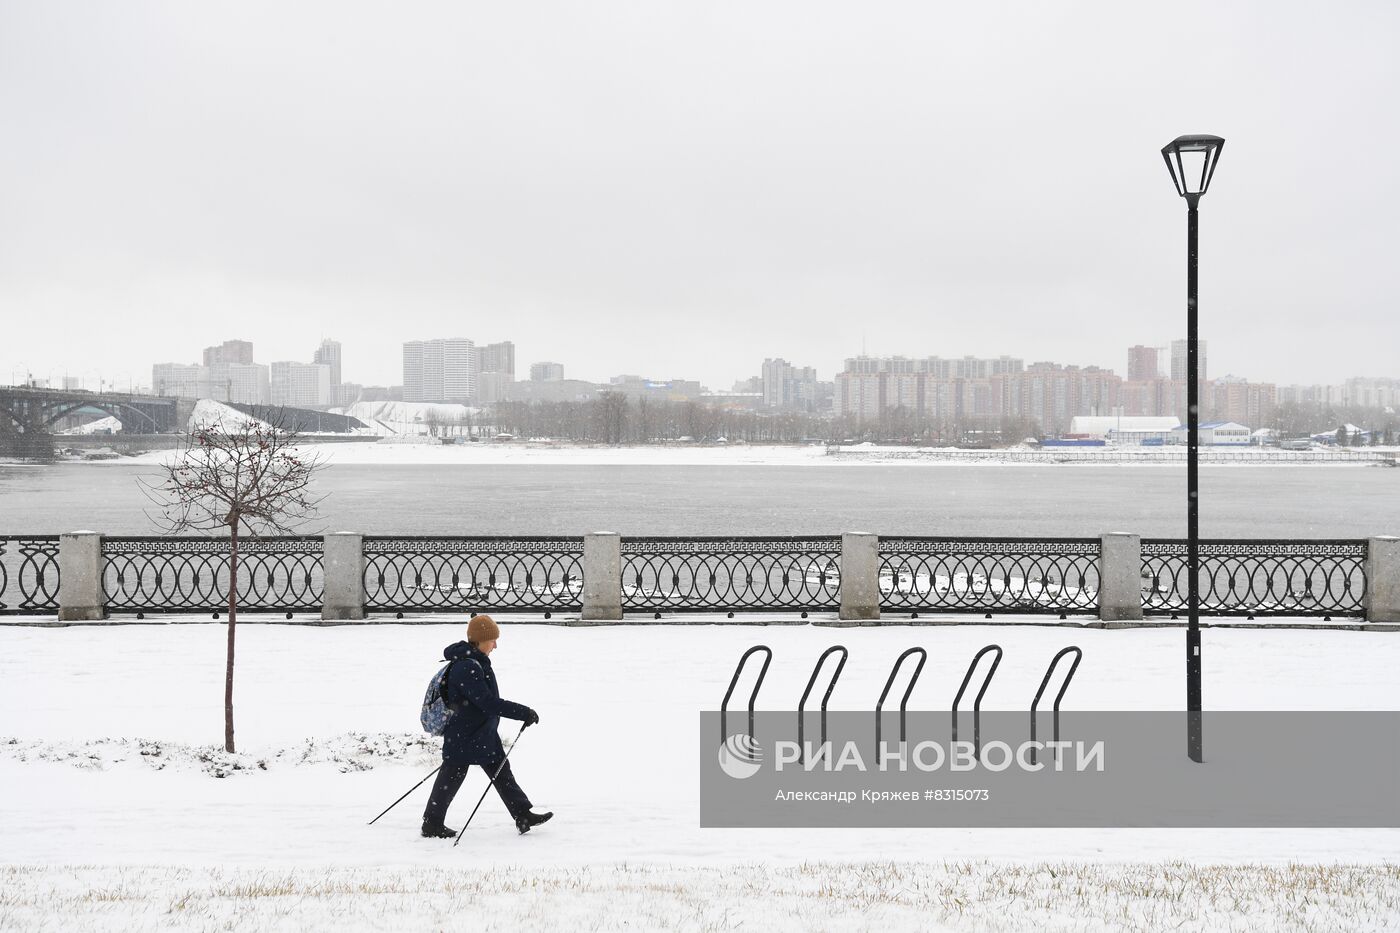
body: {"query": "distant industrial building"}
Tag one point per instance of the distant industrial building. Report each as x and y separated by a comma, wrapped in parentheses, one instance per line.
(637, 388)
(551, 390)
(1123, 429)
(1217, 434)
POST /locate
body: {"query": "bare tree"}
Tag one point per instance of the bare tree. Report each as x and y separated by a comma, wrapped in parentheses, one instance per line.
(248, 478)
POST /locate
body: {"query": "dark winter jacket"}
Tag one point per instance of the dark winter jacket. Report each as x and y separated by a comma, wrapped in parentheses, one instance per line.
(471, 736)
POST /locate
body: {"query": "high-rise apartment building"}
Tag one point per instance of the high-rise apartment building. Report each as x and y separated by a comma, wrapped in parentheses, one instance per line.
(230, 351)
(497, 358)
(328, 354)
(546, 372)
(239, 382)
(180, 380)
(1142, 363)
(224, 382)
(787, 386)
(300, 385)
(442, 370)
(1179, 360)
(932, 386)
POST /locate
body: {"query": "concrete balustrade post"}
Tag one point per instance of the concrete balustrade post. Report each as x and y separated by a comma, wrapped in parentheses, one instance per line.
(80, 577)
(343, 564)
(602, 577)
(1120, 577)
(1383, 579)
(860, 576)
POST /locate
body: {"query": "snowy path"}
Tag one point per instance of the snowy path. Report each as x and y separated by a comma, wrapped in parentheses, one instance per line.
(614, 755)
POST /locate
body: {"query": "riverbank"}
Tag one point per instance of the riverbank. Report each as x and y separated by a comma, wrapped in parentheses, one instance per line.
(426, 451)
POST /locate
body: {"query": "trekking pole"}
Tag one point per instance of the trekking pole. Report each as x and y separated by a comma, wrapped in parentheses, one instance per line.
(410, 790)
(490, 785)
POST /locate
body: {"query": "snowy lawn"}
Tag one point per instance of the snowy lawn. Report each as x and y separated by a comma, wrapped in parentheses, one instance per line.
(120, 810)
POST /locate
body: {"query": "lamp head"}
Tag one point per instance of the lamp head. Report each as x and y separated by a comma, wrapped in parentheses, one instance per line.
(1191, 160)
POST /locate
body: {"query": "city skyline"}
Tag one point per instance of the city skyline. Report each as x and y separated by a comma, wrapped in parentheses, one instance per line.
(604, 190)
(1167, 359)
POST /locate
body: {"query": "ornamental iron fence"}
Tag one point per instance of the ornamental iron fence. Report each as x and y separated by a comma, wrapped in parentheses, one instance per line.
(28, 574)
(731, 574)
(913, 575)
(1051, 575)
(146, 574)
(1258, 578)
(444, 574)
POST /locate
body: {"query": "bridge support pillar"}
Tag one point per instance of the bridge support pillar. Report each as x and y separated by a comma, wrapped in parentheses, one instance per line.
(80, 577)
(343, 555)
(602, 577)
(1383, 579)
(860, 577)
(1120, 577)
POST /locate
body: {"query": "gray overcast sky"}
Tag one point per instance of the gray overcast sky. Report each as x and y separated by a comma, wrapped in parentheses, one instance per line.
(683, 189)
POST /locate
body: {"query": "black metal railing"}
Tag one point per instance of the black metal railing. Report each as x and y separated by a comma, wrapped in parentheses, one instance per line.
(1258, 578)
(731, 574)
(143, 574)
(473, 574)
(28, 574)
(1052, 575)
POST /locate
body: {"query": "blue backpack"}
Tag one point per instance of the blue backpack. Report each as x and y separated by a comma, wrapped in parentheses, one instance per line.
(436, 713)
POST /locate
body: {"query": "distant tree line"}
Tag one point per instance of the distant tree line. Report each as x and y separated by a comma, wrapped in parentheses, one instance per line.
(613, 418)
(1299, 420)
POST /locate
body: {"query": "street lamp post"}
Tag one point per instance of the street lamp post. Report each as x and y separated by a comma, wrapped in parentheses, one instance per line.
(1191, 160)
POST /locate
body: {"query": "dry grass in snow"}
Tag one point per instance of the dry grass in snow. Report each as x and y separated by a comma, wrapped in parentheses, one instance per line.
(973, 895)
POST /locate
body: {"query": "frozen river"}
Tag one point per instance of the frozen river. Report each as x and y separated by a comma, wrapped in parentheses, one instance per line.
(543, 499)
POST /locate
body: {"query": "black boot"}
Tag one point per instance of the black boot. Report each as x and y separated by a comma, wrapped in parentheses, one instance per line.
(437, 831)
(524, 821)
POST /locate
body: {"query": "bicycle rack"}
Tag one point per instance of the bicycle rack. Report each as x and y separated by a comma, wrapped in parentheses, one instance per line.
(753, 697)
(889, 682)
(977, 703)
(811, 681)
(1074, 666)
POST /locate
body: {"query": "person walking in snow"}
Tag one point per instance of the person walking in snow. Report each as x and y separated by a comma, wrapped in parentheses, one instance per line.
(471, 737)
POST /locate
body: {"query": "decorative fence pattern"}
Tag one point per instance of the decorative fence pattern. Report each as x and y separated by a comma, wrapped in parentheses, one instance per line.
(28, 574)
(1053, 575)
(1260, 578)
(1306, 578)
(192, 574)
(473, 574)
(731, 574)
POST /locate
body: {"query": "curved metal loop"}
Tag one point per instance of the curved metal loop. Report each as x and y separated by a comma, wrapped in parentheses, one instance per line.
(753, 697)
(1045, 682)
(977, 703)
(904, 702)
(811, 682)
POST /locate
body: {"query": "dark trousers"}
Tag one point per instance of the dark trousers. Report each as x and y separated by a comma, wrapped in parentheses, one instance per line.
(449, 781)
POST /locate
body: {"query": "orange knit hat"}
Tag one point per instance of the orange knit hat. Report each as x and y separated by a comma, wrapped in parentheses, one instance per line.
(482, 628)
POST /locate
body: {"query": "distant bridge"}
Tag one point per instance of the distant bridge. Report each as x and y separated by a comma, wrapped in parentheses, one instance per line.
(28, 415)
(28, 410)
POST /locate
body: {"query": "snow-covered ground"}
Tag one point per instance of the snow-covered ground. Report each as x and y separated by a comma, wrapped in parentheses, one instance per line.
(216, 416)
(392, 419)
(108, 425)
(120, 810)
